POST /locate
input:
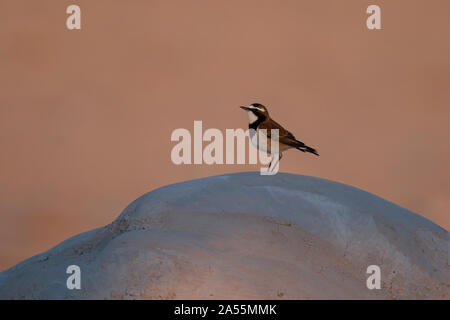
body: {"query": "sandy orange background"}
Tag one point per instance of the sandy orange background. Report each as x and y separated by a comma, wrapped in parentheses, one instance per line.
(86, 116)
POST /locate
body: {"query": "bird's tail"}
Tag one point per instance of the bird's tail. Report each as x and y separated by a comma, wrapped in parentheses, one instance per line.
(303, 147)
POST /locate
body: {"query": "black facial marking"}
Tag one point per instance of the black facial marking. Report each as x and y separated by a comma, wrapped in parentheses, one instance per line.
(257, 122)
(262, 108)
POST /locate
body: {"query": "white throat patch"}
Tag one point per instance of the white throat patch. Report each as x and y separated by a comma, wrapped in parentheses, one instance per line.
(251, 117)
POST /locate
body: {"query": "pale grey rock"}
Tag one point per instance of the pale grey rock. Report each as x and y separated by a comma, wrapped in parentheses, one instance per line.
(246, 236)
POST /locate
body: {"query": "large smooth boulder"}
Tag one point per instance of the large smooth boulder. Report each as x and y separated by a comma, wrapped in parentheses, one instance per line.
(246, 236)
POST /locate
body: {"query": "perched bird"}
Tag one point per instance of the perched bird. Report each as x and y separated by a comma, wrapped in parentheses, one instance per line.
(258, 118)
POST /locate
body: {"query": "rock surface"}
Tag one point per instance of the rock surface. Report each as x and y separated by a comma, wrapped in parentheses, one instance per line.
(246, 236)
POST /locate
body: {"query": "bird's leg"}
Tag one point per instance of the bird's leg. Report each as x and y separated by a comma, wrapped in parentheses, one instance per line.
(269, 169)
(280, 155)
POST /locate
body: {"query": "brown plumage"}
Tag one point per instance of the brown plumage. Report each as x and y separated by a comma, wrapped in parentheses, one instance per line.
(259, 119)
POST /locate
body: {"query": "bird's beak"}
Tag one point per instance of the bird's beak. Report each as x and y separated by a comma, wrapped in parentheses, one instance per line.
(245, 108)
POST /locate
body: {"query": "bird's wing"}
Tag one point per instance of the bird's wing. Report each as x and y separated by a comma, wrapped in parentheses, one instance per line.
(284, 136)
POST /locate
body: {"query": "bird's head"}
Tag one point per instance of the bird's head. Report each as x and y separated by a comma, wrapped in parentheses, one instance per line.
(257, 109)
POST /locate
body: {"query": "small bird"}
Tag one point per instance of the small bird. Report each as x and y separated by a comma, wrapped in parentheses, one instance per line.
(258, 118)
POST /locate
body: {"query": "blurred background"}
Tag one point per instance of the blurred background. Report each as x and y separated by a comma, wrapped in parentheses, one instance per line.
(86, 115)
